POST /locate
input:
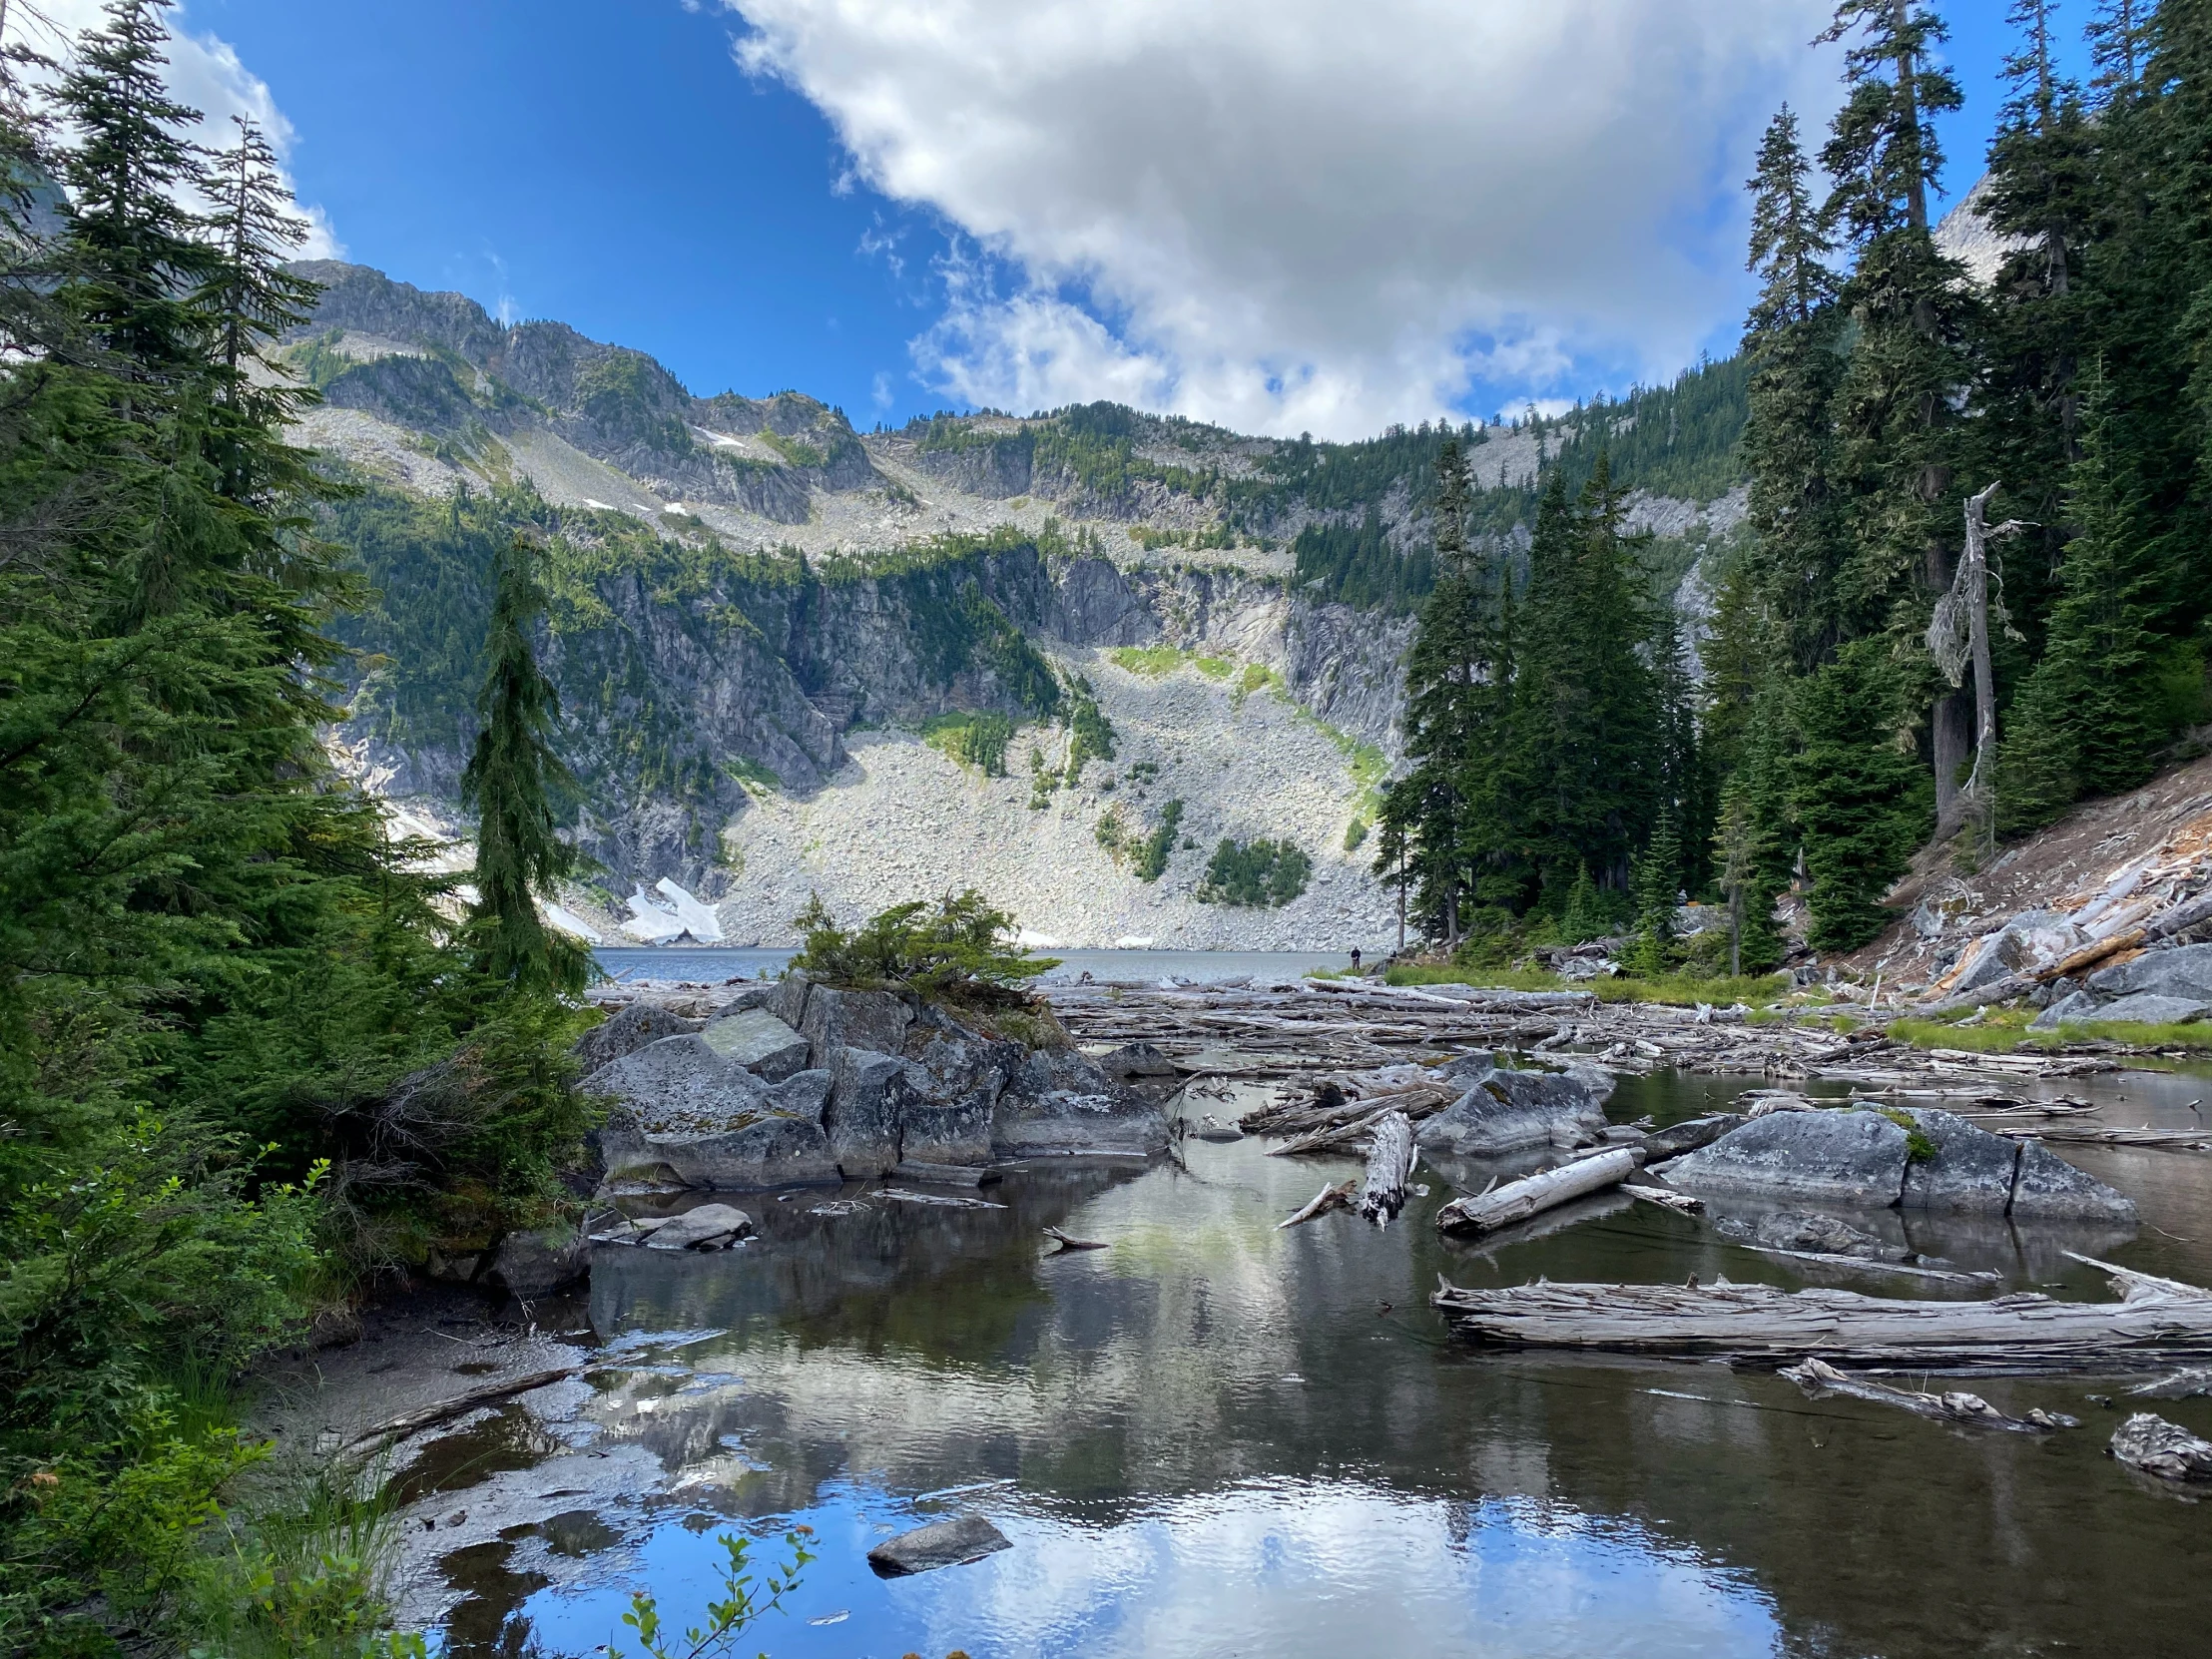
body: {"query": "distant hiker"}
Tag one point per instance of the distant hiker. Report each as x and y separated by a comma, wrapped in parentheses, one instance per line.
(1355, 958)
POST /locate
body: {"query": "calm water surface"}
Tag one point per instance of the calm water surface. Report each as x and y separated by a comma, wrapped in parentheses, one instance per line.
(710, 963)
(1217, 1438)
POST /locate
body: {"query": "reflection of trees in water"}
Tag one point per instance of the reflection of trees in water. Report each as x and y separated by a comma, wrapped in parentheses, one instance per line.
(922, 1349)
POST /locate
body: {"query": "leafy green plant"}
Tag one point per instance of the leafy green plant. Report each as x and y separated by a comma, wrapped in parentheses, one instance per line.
(744, 1601)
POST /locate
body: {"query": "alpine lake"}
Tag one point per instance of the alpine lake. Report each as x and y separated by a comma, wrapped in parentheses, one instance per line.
(1220, 1438)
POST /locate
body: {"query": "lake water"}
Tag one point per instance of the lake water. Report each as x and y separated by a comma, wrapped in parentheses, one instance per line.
(1217, 1438)
(712, 965)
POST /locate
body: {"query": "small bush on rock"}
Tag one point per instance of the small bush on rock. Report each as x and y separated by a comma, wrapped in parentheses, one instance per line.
(951, 951)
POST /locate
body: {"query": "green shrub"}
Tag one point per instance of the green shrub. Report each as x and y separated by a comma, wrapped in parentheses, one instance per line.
(1092, 733)
(1152, 856)
(954, 948)
(1254, 874)
(974, 740)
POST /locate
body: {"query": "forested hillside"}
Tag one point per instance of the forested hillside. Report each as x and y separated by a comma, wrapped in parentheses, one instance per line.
(1877, 673)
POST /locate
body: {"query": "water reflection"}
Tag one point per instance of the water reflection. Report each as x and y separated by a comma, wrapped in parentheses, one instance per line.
(1217, 1437)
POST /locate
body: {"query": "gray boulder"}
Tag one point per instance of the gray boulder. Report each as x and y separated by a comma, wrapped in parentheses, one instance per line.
(948, 1119)
(710, 1227)
(786, 999)
(628, 1031)
(539, 1261)
(684, 1113)
(1820, 1235)
(1507, 1111)
(834, 1019)
(2076, 1005)
(1688, 1135)
(1971, 1171)
(757, 1040)
(2048, 1188)
(1059, 1101)
(2184, 973)
(1134, 1060)
(2031, 937)
(868, 1095)
(2149, 1009)
(946, 1543)
(1849, 1156)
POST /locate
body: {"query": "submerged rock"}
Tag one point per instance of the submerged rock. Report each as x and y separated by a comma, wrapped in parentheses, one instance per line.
(1820, 1235)
(948, 1543)
(1507, 1111)
(2149, 1443)
(1688, 1135)
(539, 1261)
(710, 1227)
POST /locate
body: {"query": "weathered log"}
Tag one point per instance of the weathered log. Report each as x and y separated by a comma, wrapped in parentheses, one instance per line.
(2154, 1445)
(1328, 1198)
(2197, 1379)
(1518, 1200)
(1389, 1168)
(2171, 1140)
(1830, 1259)
(460, 1405)
(1817, 1376)
(1066, 1242)
(1680, 1203)
(1336, 1138)
(2159, 1323)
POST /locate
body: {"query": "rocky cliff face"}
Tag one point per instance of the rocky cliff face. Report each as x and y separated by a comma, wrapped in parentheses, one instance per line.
(756, 608)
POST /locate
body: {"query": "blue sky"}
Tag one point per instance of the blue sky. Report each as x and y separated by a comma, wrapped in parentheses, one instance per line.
(1018, 204)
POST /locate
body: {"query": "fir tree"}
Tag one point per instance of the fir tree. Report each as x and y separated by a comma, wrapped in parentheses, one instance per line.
(1658, 875)
(1790, 339)
(1858, 796)
(512, 771)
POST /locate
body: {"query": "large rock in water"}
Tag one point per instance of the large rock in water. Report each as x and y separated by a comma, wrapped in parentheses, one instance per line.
(539, 1261)
(2048, 1188)
(1509, 1111)
(1971, 1171)
(945, 1543)
(948, 1116)
(1872, 1161)
(1060, 1102)
(868, 1098)
(1834, 1157)
(2185, 973)
(687, 1115)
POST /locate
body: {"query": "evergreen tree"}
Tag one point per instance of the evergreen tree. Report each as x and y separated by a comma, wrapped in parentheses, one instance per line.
(1686, 790)
(2091, 716)
(512, 771)
(1899, 437)
(1790, 339)
(1858, 796)
(1657, 896)
(1756, 842)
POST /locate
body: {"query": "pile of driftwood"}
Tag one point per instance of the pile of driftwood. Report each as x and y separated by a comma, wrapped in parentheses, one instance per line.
(1320, 1026)
(2158, 1323)
(1338, 1109)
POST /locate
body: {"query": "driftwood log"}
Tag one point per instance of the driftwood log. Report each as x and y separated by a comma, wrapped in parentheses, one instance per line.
(1066, 1242)
(2160, 1322)
(1817, 1376)
(1328, 1199)
(460, 1405)
(1871, 1264)
(2150, 1443)
(2175, 1140)
(1389, 1168)
(1682, 1204)
(2197, 1379)
(1518, 1200)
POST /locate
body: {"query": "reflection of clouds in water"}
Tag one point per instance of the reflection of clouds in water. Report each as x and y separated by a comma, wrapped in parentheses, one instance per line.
(1281, 1568)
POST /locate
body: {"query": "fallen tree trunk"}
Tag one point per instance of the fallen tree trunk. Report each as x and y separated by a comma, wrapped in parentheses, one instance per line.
(2175, 1140)
(1068, 1244)
(1817, 1377)
(1389, 1168)
(1876, 1264)
(2160, 1323)
(1681, 1203)
(1334, 1138)
(1328, 1198)
(2180, 1386)
(446, 1411)
(1518, 1200)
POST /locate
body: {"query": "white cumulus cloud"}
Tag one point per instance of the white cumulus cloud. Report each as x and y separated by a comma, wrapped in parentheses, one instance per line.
(205, 73)
(1298, 213)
